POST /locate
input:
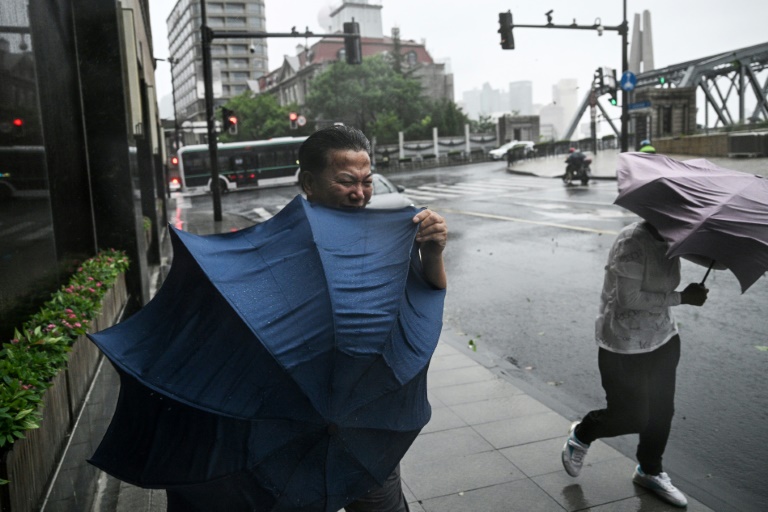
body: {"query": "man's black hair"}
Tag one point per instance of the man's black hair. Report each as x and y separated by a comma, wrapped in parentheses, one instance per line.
(313, 153)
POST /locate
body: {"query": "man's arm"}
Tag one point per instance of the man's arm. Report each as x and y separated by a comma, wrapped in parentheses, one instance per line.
(432, 237)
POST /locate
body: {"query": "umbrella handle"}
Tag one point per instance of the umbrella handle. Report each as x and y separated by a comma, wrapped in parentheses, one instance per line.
(708, 270)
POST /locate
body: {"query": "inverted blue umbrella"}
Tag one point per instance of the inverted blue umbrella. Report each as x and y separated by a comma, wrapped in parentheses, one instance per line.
(282, 367)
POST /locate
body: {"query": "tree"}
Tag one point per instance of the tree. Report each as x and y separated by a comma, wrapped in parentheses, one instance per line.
(259, 116)
(484, 124)
(366, 96)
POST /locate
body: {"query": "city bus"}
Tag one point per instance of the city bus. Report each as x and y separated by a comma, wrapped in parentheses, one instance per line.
(247, 164)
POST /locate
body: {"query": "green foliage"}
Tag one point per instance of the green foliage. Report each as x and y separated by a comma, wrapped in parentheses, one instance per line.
(38, 351)
(381, 102)
(484, 124)
(260, 116)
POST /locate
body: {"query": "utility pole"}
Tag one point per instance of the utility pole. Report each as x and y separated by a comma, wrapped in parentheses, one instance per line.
(354, 56)
(505, 29)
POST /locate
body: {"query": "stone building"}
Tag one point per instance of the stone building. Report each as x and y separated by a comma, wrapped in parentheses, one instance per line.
(666, 112)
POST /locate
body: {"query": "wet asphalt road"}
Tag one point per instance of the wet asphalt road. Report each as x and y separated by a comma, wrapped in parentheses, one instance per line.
(525, 263)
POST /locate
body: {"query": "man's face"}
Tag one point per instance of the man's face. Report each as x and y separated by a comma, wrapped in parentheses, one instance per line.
(346, 182)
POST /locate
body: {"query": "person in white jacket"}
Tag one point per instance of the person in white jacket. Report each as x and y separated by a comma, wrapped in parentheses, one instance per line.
(639, 348)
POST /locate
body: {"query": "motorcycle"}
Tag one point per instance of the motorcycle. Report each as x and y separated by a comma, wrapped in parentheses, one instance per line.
(578, 171)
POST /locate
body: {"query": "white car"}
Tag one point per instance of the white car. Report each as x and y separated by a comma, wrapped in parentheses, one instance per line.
(500, 153)
(386, 195)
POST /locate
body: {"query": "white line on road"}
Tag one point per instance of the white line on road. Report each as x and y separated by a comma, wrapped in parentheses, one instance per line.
(528, 221)
(263, 213)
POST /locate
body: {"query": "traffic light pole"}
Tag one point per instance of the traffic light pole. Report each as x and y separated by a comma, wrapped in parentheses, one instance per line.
(208, 36)
(623, 31)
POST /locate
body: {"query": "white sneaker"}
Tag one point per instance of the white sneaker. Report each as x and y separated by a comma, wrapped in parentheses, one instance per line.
(574, 452)
(662, 486)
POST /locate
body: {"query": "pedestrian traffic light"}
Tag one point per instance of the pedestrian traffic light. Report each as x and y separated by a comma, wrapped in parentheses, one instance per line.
(353, 48)
(229, 120)
(662, 80)
(174, 161)
(293, 117)
(505, 29)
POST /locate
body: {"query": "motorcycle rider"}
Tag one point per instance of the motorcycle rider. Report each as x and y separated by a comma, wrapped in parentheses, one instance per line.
(575, 159)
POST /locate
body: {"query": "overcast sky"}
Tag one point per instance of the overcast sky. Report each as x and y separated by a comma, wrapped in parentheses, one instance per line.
(464, 33)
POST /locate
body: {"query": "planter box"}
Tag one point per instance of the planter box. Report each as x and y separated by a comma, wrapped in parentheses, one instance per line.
(31, 462)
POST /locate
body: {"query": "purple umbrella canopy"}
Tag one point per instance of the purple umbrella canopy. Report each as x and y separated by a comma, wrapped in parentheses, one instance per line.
(701, 209)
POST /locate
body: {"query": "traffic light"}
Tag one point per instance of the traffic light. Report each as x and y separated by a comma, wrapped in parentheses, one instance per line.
(229, 120)
(18, 126)
(599, 79)
(613, 99)
(353, 47)
(293, 117)
(662, 80)
(505, 29)
(174, 161)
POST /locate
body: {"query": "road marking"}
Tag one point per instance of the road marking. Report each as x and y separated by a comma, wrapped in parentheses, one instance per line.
(438, 191)
(263, 213)
(417, 194)
(527, 221)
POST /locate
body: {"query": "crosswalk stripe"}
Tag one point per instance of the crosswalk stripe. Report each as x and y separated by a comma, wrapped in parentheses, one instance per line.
(263, 213)
(439, 191)
(414, 193)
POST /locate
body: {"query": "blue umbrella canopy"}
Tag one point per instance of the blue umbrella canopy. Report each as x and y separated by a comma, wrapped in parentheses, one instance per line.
(281, 367)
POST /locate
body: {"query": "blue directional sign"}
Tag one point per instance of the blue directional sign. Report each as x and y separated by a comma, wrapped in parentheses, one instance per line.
(628, 81)
(638, 105)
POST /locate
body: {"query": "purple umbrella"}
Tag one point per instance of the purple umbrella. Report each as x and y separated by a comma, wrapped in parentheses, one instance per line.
(701, 210)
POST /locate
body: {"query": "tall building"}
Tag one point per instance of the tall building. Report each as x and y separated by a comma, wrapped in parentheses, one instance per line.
(485, 101)
(521, 97)
(565, 96)
(235, 62)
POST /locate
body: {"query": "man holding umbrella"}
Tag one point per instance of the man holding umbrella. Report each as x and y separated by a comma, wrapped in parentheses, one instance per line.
(639, 348)
(336, 172)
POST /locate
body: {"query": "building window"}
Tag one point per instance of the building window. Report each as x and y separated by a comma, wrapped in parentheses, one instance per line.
(234, 8)
(341, 54)
(411, 58)
(238, 49)
(238, 63)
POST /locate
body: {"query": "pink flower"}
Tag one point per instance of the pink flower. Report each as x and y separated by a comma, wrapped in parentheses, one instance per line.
(72, 316)
(78, 324)
(69, 310)
(91, 290)
(90, 278)
(15, 341)
(50, 327)
(98, 284)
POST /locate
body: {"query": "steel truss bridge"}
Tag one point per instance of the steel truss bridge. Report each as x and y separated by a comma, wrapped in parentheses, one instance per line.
(729, 82)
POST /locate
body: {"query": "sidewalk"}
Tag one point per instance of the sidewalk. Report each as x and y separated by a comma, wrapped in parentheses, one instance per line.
(604, 165)
(490, 446)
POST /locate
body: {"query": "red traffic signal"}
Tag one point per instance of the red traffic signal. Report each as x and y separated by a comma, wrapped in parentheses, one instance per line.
(18, 122)
(174, 160)
(293, 117)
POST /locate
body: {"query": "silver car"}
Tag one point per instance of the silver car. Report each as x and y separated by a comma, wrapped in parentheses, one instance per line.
(386, 195)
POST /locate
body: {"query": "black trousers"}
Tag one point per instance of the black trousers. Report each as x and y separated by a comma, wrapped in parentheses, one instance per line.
(640, 397)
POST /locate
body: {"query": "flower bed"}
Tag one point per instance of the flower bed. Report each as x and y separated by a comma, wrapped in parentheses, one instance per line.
(46, 370)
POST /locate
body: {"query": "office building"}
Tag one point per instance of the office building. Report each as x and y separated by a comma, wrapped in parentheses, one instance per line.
(235, 62)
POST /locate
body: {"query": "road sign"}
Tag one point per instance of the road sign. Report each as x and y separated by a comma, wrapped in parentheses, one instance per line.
(628, 81)
(638, 105)
(301, 121)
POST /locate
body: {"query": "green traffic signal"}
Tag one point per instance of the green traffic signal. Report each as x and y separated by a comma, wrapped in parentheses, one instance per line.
(662, 80)
(614, 101)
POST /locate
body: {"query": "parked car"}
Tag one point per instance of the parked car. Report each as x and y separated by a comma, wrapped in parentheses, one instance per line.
(501, 152)
(386, 195)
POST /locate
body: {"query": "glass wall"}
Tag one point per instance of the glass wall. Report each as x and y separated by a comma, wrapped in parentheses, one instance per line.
(28, 263)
